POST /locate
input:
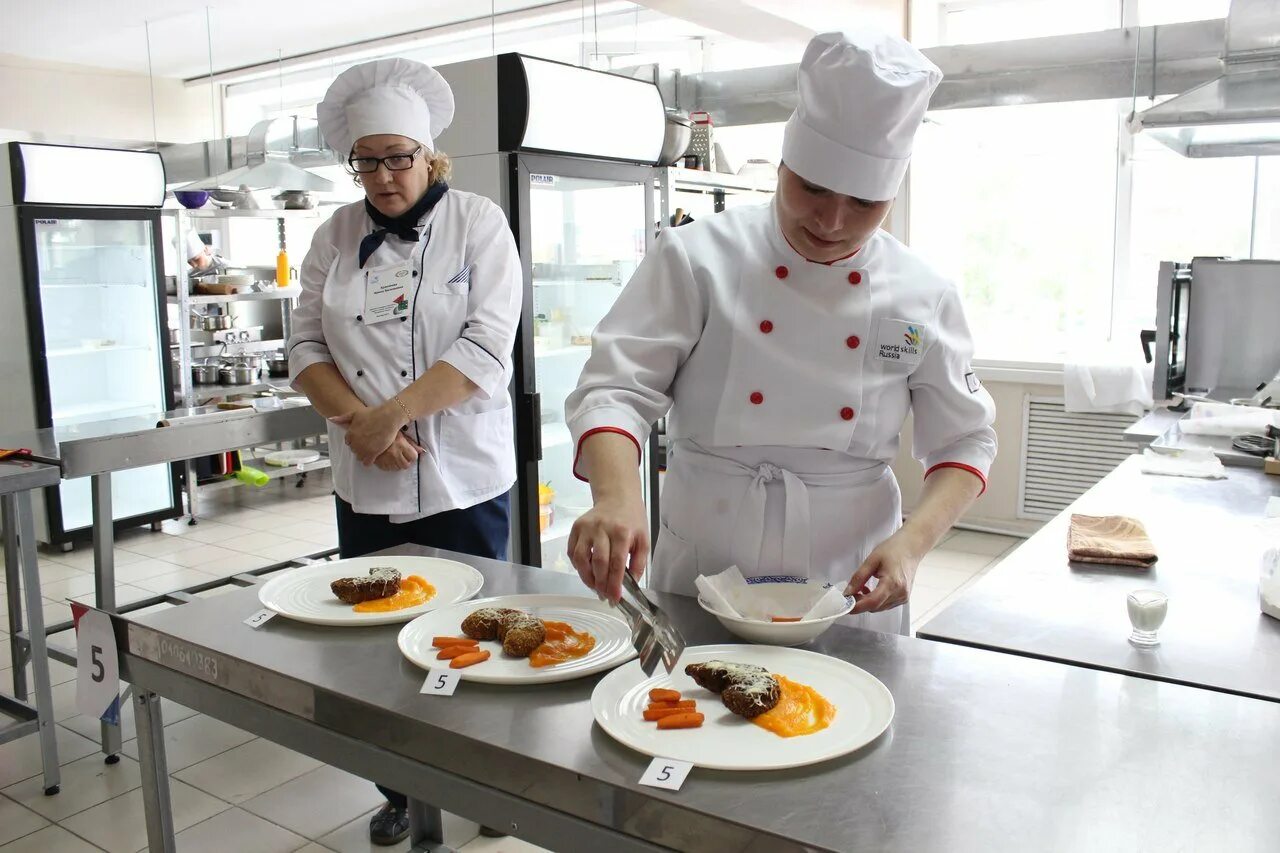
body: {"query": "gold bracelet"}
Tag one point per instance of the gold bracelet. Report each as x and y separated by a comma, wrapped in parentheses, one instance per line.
(408, 415)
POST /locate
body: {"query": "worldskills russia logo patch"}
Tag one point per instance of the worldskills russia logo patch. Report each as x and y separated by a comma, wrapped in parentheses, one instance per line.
(912, 336)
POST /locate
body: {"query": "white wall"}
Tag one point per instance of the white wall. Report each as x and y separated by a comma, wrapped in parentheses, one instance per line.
(60, 102)
(998, 507)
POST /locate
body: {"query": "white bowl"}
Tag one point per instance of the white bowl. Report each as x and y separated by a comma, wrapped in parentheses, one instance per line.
(791, 594)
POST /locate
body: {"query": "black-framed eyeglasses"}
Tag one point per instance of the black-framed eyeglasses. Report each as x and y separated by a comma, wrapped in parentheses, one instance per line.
(393, 162)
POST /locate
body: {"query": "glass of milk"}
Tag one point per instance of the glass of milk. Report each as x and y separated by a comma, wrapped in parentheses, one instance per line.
(1147, 608)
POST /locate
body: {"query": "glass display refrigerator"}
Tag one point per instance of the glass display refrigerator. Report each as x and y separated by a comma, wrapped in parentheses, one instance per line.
(568, 154)
(81, 314)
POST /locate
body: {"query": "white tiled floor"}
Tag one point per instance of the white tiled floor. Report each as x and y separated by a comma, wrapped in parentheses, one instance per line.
(232, 791)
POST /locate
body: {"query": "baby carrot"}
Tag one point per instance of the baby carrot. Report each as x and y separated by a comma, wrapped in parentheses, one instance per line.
(451, 652)
(442, 642)
(652, 713)
(468, 659)
(679, 703)
(661, 694)
(690, 720)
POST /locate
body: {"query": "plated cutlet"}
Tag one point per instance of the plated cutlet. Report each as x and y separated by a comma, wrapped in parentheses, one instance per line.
(521, 633)
(380, 583)
(745, 689)
(484, 623)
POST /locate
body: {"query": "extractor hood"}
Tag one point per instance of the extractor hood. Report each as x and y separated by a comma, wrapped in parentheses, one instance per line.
(1237, 114)
(274, 154)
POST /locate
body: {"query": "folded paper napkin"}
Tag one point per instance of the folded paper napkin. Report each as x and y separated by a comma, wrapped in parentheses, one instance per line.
(1111, 539)
(729, 593)
(1188, 462)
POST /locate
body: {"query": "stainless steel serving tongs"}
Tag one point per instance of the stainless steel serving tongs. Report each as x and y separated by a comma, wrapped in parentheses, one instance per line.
(652, 633)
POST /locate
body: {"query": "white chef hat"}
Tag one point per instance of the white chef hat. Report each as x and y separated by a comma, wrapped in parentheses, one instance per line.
(195, 246)
(862, 96)
(397, 96)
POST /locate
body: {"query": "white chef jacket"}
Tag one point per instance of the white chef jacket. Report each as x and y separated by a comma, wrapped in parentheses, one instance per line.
(464, 308)
(747, 343)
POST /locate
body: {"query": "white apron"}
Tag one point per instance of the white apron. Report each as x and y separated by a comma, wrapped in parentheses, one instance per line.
(818, 515)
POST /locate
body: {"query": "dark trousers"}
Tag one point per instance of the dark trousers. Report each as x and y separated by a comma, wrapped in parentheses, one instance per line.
(479, 530)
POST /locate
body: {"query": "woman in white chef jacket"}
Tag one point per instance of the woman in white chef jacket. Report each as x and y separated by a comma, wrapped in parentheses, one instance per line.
(403, 335)
(789, 342)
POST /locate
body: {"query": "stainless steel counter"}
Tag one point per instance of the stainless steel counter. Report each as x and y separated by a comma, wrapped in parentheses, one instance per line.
(98, 449)
(21, 713)
(1036, 603)
(987, 752)
(1161, 429)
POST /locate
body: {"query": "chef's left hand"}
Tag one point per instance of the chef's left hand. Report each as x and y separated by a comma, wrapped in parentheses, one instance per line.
(370, 431)
(893, 564)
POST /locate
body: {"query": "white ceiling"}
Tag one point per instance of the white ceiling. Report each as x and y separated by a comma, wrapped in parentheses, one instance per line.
(113, 33)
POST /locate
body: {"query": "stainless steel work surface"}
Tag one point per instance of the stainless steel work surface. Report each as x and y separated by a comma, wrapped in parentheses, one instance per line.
(987, 752)
(1037, 603)
(1152, 425)
(24, 476)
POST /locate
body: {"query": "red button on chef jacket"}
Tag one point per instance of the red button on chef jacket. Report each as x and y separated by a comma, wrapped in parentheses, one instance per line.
(855, 277)
(766, 326)
(781, 272)
(846, 413)
(853, 341)
(757, 397)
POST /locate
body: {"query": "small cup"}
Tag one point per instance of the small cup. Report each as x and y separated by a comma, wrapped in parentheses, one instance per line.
(1147, 609)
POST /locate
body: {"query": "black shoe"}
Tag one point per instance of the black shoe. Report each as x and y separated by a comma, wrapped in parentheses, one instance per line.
(491, 833)
(389, 826)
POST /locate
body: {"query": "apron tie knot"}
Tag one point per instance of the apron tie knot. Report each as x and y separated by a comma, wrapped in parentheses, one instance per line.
(766, 473)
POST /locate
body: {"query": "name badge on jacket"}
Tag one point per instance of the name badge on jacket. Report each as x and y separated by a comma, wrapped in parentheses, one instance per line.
(901, 342)
(386, 293)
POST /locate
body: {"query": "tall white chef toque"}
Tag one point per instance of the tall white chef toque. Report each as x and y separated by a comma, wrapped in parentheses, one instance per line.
(195, 246)
(862, 96)
(397, 96)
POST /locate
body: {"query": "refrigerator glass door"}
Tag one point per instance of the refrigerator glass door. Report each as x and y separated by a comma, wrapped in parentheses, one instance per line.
(587, 237)
(96, 280)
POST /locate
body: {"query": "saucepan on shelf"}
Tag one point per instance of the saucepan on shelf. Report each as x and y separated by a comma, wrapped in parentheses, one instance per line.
(238, 374)
(278, 364)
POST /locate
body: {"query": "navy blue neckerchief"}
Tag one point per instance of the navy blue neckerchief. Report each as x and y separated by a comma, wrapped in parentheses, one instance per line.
(404, 226)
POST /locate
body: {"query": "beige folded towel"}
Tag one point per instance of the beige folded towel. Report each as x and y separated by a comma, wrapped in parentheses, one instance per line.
(1112, 539)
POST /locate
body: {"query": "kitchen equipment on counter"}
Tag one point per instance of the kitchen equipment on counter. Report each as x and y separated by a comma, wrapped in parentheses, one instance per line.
(1213, 336)
(191, 199)
(278, 364)
(205, 371)
(238, 374)
(291, 458)
(247, 359)
(791, 596)
(758, 169)
(676, 140)
(210, 322)
(237, 336)
(296, 200)
(701, 152)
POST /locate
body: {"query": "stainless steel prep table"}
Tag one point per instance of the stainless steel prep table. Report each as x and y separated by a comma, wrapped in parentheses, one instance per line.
(1036, 603)
(100, 448)
(22, 582)
(987, 752)
(1162, 430)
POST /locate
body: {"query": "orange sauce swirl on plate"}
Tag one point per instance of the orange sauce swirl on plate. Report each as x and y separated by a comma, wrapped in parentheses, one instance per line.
(414, 590)
(801, 711)
(562, 644)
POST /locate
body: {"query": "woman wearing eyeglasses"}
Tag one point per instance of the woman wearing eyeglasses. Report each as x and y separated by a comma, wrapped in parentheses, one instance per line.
(403, 335)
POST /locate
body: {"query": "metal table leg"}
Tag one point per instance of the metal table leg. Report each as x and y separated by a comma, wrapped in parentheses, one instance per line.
(25, 533)
(155, 772)
(104, 577)
(13, 586)
(426, 828)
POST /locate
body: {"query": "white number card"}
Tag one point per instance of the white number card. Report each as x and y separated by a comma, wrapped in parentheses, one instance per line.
(441, 682)
(666, 773)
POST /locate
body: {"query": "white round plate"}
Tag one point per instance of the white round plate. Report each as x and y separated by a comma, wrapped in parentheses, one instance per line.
(864, 709)
(286, 458)
(607, 625)
(304, 593)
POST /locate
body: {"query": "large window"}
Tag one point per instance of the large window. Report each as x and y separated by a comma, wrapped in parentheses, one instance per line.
(1017, 204)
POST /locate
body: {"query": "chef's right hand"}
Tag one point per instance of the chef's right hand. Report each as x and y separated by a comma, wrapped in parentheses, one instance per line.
(401, 455)
(610, 536)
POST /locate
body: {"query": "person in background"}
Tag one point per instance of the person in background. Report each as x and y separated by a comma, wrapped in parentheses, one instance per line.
(200, 258)
(403, 336)
(790, 341)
